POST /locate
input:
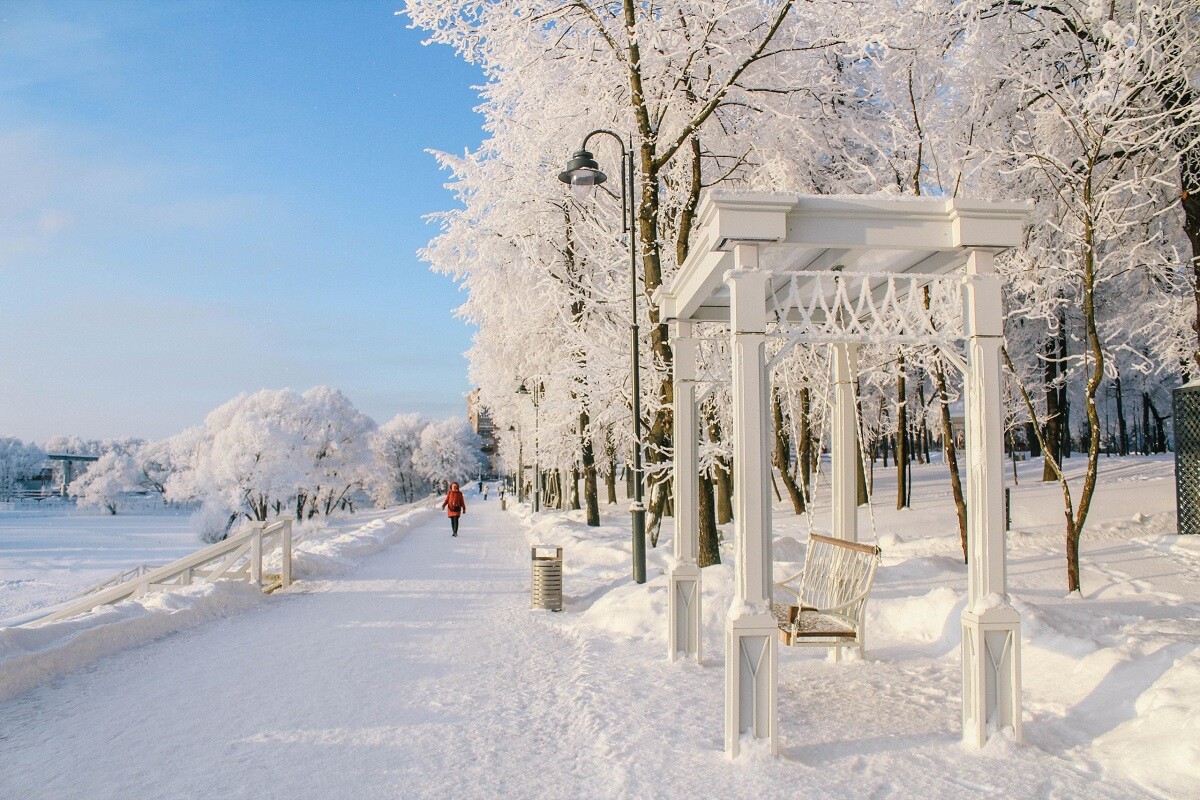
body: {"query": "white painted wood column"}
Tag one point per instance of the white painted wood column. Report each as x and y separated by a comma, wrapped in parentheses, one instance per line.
(844, 442)
(991, 630)
(750, 630)
(683, 578)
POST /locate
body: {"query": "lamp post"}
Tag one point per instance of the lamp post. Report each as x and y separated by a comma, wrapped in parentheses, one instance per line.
(519, 486)
(537, 461)
(582, 170)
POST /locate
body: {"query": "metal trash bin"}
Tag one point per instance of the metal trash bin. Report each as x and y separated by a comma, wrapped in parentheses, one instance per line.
(546, 578)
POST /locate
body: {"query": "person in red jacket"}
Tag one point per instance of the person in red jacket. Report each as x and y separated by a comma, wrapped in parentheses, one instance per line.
(455, 507)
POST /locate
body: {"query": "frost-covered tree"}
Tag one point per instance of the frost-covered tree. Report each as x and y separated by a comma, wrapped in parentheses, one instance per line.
(114, 474)
(77, 445)
(676, 77)
(448, 450)
(1088, 133)
(338, 439)
(275, 451)
(1086, 107)
(18, 462)
(395, 475)
(156, 463)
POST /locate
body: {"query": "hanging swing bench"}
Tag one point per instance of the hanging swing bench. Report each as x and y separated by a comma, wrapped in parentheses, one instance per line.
(830, 595)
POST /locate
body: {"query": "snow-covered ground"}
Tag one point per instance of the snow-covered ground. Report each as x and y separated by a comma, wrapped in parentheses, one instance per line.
(48, 554)
(418, 670)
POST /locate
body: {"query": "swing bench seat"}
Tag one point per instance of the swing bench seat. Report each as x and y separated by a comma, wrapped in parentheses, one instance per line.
(830, 595)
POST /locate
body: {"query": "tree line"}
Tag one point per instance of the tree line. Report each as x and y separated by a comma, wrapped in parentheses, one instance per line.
(267, 454)
(1089, 109)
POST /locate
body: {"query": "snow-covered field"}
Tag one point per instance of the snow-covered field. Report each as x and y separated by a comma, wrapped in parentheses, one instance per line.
(406, 664)
(49, 554)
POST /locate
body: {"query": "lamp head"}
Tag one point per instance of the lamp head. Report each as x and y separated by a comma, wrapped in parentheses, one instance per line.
(582, 170)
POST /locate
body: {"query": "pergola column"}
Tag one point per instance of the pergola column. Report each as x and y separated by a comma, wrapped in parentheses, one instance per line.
(844, 442)
(750, 630)
(991, 629)
(683, 578)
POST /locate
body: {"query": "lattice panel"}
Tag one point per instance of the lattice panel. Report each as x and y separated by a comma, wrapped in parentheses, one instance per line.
(871, 307)
(1186, 402)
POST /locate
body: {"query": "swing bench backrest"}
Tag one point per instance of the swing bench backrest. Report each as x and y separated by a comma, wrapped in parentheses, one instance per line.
(831, 597)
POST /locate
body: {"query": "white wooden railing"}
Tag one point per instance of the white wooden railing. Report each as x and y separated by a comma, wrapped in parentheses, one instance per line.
(238, 557)
(115, 580)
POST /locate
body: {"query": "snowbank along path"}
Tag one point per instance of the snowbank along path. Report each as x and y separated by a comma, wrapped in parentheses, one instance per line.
(425, 674)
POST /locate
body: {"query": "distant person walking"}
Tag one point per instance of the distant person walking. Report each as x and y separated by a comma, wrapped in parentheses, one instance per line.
(455, 506)
(485, 490)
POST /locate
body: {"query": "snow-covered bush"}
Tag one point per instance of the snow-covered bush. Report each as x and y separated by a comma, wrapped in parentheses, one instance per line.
(212, 522)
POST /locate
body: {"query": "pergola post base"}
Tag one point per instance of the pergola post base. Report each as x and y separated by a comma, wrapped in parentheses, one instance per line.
(991, 660)
(750, 702)
(683, 610)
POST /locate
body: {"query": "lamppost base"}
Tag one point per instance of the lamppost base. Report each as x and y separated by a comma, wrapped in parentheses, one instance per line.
(638, 512)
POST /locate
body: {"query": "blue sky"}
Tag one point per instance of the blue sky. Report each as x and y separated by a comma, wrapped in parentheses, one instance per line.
(199, 199)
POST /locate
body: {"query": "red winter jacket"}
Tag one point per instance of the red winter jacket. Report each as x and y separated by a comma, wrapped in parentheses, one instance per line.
(454, 503)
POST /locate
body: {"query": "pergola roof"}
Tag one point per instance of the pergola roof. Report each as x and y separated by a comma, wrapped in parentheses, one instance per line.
(859, 234)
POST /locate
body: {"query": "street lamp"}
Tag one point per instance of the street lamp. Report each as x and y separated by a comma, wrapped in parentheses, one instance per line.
(519, 488)
(582, 170)
(537, 462)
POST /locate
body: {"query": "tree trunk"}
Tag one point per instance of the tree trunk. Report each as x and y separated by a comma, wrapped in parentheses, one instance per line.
(1064, 405)
(902, 466)
(783, 451)
(591, 499)
(710, 549)
(724, 479)
(806, 459)
(1122, 428)
(575, 489)
(863, 496)
(1189, 197)
(658, 502)
(1053, 412)
(950, 454)
(922, 428)
(1075, 526)
(1160, 428)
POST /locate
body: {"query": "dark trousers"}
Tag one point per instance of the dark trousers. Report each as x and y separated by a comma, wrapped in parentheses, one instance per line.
(454, 525)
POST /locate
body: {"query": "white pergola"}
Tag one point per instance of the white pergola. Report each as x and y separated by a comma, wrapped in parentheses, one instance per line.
(842, 271)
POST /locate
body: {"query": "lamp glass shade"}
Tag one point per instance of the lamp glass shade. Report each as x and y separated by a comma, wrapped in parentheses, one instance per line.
(582, 170)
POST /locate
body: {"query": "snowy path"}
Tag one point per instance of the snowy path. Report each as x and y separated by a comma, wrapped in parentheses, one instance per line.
(415, 671)
(424, 674)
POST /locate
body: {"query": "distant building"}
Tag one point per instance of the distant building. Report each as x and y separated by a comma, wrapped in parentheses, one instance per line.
(481, 423)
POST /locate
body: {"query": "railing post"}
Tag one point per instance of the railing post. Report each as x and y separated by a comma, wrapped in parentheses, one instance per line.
(285, 548)
(256, 554)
